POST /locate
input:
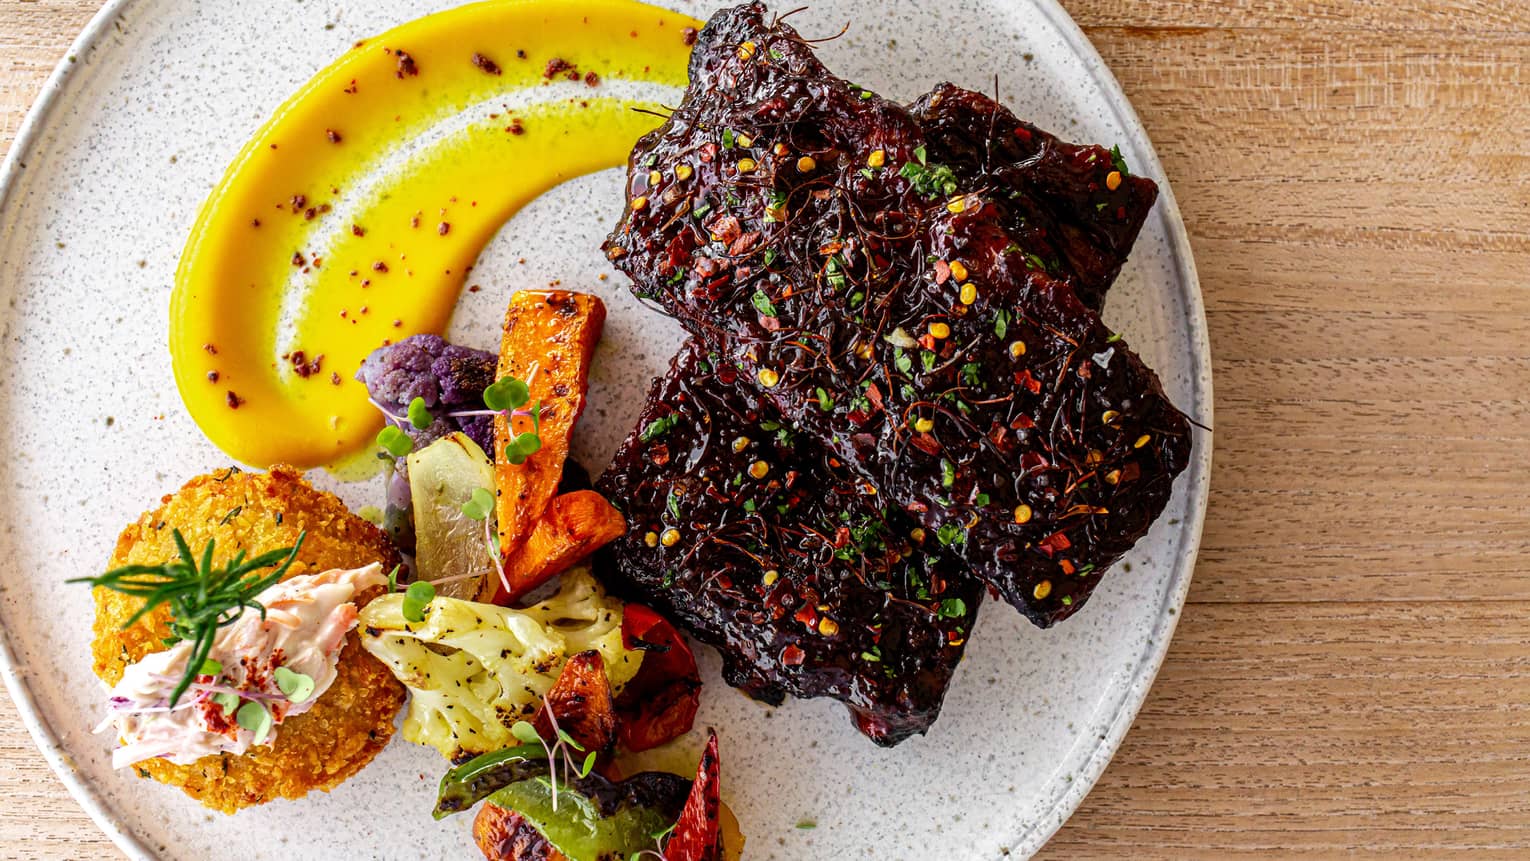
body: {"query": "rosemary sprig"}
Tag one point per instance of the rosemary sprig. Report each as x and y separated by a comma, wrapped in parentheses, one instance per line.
(202, 598)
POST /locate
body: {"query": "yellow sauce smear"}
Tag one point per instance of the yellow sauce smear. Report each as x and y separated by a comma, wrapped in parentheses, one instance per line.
(302, 261)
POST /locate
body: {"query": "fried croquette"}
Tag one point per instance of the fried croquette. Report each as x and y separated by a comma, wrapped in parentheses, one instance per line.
(258, 512)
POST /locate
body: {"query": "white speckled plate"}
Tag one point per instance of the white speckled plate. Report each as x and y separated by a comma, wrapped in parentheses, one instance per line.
(98, 194)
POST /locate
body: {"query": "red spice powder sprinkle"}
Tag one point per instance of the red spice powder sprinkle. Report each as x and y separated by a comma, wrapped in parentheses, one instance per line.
(334, 136)
(233, 400)
(407, 67)
(555, 66)
(485, 65)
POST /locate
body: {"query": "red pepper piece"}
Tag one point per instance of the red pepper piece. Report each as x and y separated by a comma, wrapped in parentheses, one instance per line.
(659, 704)
(698, 833)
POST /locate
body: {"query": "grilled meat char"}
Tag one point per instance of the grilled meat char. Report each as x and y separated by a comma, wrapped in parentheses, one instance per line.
(763, 545)
(1054, 202)
(796, 224)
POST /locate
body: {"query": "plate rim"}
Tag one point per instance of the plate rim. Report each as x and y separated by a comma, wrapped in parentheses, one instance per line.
(1067, 796)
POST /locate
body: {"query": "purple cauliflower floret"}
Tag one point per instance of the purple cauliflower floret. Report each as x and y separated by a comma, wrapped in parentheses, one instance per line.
(448, 377)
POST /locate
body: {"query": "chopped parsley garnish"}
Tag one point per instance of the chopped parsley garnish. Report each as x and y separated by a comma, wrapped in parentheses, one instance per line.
(953, 608)
(1117, 161)
(933, 180)
(659, 427)
(762, 303)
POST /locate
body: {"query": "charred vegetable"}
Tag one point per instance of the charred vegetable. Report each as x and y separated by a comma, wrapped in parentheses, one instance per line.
(549, 340)
(659, 705)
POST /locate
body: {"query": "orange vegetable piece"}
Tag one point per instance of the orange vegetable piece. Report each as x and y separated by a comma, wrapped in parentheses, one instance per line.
(573, 526)
(582, 703)
(549, 340)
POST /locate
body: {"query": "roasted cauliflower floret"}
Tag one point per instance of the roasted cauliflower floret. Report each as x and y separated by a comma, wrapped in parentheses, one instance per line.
(474, 669)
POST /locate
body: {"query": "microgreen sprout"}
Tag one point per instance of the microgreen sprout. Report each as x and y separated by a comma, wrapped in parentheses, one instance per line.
(393, 578)
(416, 598)
(394, 441)
(202, 598)
(296, 686)
(558, 751)
(479, 507)
(419, 414)
(506, 393)
(226, 700)
(256, 718)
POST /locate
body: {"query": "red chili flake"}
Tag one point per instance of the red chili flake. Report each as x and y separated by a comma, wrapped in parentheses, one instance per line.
(841, 537)
(379, 266)
(942, 271)
(211, 349)
(926, 443)
(1023, 133)
(309, 213)
(1130, 472)
(806, 615)
(298, 259)
(212, 376)
(302, 366)
(1032, 460)
(591, 79)
(1023, 422)
(743, 245)
(1065, 565)
(874, 394)
(515, 127)
(555, 66)
(334, 378)
(407, 68)
(485, 65)
(1024, 378)
(351, 90)
(358, 230)
(659, 454)
(443, 228)
(792, 656)
(573, 75)
(334, 136)
(299, 201)
(688, 35)
(1054, 544)
(233, 400)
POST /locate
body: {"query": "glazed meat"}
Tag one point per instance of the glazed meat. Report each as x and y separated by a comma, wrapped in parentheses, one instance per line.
(1047, 190)
(762, 545)
(801, 228)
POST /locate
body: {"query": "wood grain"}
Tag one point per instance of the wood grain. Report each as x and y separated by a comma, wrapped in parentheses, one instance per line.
(1352, 675)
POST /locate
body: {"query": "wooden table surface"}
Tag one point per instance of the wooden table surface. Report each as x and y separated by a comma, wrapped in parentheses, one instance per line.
(1352, 674)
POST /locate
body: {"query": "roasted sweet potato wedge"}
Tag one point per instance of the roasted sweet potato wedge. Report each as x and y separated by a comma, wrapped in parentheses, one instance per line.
(573, 526)
(549, 340)
(503, 835)
(581, 702)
